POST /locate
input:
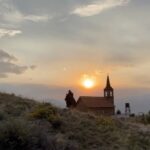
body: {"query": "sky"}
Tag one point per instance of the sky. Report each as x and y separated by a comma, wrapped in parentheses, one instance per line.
(50, 46)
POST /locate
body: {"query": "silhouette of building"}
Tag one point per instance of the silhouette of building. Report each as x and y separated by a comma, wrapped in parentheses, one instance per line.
(127, 109)
(99, 105)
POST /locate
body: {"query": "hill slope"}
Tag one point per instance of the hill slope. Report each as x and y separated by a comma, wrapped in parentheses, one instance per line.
(29, 125)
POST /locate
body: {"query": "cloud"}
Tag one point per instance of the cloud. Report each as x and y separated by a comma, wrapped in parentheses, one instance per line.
(7, 65)
(9, 32)
(11, 14)
(33, 67)
(4, 56)
(17, 17)
(35, 18)
(98, 7)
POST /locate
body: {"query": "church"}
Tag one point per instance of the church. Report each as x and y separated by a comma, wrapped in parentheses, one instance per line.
(99, 105)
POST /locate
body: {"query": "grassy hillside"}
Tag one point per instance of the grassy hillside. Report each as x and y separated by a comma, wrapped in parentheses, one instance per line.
(29, 125)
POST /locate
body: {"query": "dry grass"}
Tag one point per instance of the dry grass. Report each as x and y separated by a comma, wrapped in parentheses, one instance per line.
(29, 125)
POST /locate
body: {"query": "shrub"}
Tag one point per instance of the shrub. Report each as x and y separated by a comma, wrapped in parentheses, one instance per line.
(23, 135)
(105, 121)
(2, 116)
(13, 110)
(145, 118)
(13, 136)
(56, 124)
(139, 140)
(46, 112)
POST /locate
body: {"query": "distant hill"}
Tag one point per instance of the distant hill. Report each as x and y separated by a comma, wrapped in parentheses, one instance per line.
(26, 124)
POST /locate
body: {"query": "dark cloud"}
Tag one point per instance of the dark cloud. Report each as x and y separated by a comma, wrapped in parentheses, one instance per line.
(8, 66)
(117, 36)
(4, 56)
(33, 67)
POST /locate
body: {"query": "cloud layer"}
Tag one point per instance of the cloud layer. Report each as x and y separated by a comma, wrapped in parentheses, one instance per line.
(9, 32)
(98, 7)
(14, 16)
(9, 13)
(7, 65)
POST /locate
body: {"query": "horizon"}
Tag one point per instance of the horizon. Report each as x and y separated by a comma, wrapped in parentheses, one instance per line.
(138, 98)
(48, 47)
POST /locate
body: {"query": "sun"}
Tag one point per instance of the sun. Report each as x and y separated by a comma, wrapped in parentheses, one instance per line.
(88, 83)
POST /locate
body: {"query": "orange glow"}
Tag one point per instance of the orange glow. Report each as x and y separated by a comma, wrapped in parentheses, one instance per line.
(88, 83)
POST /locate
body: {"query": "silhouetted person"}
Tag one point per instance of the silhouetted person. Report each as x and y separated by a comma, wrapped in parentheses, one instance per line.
(70, 101)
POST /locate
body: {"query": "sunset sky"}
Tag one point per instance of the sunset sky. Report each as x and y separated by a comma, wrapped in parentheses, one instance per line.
(50, 46)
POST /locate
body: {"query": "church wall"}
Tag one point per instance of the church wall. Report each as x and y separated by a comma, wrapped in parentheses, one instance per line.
(103, 111)
(81, 106)
(99, 111)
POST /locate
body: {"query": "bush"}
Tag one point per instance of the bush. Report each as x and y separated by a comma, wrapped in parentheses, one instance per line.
(23, 135)
(145, 118)
(46, 112)
(56, 124)
(13, 136)
(13, 110)
(2, 116)
(105, 121)
(139, 140)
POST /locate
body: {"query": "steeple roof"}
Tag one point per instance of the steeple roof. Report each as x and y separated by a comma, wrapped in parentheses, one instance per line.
(108, 85)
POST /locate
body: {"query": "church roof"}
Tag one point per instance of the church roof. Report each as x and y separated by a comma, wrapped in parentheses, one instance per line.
(108, 85)
(95, 102)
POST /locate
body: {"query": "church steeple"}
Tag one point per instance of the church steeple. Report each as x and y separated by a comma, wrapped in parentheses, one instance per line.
(108, 83)
(108, 91)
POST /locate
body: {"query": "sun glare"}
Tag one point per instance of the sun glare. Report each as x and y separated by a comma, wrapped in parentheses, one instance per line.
(88, 83)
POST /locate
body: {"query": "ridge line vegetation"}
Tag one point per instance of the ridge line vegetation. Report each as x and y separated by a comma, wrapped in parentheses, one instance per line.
(26, 124)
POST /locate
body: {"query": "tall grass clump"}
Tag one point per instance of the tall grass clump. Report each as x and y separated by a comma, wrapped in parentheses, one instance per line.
(14, 135)
(23, 135)
(139, 141)
(3, 116)
(144, 118)
(46, 111)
